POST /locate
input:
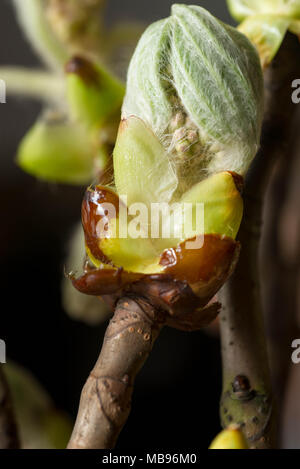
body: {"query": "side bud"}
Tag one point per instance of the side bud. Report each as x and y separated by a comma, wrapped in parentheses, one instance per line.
(94, 95)
(58, 151)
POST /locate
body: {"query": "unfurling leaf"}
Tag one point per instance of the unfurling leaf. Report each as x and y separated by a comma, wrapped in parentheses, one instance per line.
(191, 123)
(200, 91)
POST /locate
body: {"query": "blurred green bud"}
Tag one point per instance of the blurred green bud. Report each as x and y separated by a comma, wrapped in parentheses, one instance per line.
(197, 83)
(58, 151)
(94, 95)
(77, 23)
(241, 9)
(230, 438)
(266, 32)
(40, 424)
(266, 22)
(32, 18)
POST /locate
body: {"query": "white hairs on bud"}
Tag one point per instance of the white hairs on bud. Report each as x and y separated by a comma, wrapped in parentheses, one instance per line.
(193, 64)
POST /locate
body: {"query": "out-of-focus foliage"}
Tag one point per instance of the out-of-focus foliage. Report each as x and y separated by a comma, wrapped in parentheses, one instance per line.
(40, 424)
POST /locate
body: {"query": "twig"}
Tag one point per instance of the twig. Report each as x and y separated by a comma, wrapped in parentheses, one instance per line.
(143, 308)
(281, 255)
(106, 397)
(247, 398)
(9, 438)
(281, 263)
(35, 84)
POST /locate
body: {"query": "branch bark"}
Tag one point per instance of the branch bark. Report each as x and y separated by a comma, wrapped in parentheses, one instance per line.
(247, 397)
(281, 264)
(281, 258)
(106, 397)
(9, 438)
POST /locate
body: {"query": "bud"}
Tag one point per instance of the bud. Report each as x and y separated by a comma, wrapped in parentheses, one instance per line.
(266, 32)
(57, 150)
(241, 9)
(190, 128)
(77, 23)
(197, 83)
(230, 438)
(94, 95)
(265, 23)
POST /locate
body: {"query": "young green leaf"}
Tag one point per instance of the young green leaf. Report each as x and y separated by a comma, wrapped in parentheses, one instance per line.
(31, 15)
(142, 169)
(57, 151)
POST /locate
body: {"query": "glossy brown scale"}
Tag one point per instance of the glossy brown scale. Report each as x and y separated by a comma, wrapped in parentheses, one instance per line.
(82, 67)
(204, 269)
(93, 210)
(100, 282)
(190, 277)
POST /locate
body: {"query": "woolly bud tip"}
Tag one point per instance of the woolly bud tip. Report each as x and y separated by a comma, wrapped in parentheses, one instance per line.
(197, 83)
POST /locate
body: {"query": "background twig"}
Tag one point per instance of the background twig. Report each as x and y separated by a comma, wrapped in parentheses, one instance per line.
(106, 397)
(246, 398)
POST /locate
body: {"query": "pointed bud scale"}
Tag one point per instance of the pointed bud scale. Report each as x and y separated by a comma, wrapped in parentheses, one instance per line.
(93, 94)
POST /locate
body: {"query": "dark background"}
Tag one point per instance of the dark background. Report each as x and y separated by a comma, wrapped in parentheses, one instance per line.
(175, 403)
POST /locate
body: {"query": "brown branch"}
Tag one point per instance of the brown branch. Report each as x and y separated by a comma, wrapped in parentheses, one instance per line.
(281, 260)
(247, 398)
(106, 397)
(9, 438)
(281, 263)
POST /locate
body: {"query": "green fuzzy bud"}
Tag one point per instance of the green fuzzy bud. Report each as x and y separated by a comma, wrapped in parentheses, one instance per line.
(57, 151)
(94, 95)
(197, 83)
(241, 9)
